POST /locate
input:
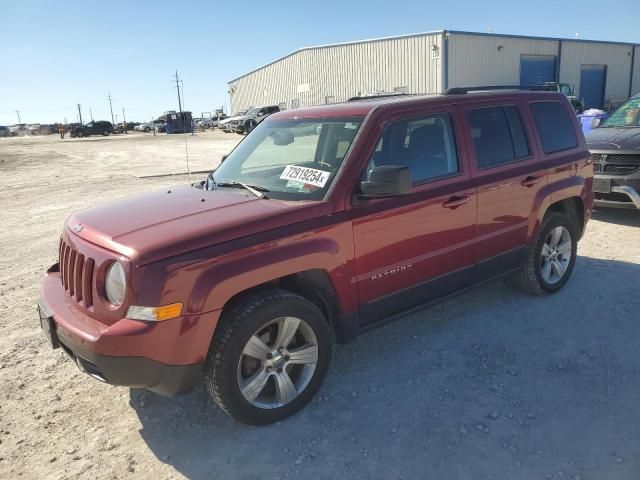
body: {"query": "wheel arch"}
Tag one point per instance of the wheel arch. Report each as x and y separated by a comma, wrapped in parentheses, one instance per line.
(314, 285)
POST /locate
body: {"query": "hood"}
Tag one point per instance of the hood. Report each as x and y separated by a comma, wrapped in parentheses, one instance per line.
(167, 223)
(231, 119)
(602, 138)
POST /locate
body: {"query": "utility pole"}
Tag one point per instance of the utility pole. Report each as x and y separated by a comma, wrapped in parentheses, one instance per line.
(178, 89)
(91, 113)
(80, 113)
(18, 113)
(124, 121)
(111, 108)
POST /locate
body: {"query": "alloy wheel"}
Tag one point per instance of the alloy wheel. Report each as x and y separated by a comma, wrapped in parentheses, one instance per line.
(277, 362)
(555, 256)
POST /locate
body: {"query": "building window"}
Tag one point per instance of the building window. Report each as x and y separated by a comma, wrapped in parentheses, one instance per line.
(403, 89)
(283, 106)
(295, 103)
(329, 99)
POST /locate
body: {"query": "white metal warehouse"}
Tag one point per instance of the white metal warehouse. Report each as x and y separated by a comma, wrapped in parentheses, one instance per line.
(602, 73)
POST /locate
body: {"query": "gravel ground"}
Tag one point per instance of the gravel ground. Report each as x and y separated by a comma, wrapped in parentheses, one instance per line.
(492, 384)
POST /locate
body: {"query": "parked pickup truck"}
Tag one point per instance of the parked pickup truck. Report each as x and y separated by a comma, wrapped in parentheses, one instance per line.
(296, 241)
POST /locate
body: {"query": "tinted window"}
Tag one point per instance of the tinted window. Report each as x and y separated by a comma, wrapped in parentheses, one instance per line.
(426, 145)
(554, 126)
(498, 135)
(519, 138)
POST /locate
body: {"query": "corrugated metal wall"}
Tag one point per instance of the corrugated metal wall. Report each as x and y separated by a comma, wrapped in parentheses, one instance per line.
(476, 60)
(635, 87)
(617, 58)
(342, 71)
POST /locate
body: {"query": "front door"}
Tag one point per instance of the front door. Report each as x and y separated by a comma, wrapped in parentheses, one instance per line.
(414, 248)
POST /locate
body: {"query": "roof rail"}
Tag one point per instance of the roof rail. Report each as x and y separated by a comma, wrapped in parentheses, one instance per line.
(373, 96)
(464, 90)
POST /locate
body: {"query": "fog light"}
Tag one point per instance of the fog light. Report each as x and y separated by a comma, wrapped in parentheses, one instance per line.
(155, 314)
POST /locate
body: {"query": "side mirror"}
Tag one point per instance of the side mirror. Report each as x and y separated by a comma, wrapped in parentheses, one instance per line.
(386, 181)
(282, 137)
(595, 122)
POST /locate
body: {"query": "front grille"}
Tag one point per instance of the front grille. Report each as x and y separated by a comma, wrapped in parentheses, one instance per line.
(616, 163)
(76, 274)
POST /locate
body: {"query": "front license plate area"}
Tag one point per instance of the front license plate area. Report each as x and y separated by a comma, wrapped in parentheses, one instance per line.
(601, 185)
(48, 328)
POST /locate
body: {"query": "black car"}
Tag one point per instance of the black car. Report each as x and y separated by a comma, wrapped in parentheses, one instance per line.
(4, 131)
(100, 127)
(615, 148)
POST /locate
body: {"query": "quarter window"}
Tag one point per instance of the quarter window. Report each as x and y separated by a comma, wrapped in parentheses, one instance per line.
(498, 135)
(426, 145)
(554, 126)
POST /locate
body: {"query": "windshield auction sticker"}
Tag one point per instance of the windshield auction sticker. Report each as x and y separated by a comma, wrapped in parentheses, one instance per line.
(309, 176)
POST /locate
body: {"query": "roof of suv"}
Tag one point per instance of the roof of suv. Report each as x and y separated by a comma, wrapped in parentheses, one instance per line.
(363, 106)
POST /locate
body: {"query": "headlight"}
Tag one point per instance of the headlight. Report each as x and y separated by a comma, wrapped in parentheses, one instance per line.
(115, 284)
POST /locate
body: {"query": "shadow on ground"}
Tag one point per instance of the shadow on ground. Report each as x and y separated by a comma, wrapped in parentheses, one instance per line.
(619, 216)
(491, 384)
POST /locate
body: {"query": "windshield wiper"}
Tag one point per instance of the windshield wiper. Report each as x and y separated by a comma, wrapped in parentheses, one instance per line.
(257, 190)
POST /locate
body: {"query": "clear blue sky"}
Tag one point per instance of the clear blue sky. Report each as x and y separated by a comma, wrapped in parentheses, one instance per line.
(54, 55)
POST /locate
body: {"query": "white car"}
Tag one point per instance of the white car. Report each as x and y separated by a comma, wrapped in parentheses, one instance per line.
(149, 126)
(225, 125)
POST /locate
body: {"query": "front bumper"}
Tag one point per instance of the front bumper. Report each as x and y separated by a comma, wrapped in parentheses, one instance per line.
(164, 357)
(619, 191)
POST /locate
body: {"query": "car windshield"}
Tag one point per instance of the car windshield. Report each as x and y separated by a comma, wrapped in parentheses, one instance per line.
(627, 115)
(291, 159)
(253, 111)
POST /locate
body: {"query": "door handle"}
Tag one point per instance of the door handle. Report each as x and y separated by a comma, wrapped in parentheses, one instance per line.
(456, 201)
(530, 181)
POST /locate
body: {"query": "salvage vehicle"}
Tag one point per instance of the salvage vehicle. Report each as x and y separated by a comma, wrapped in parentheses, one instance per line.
(227, 124)
(245, 280)
(615, 147)
(568, 91)
(19, 130)
(150, 126)
(251, 119)
(98, 127)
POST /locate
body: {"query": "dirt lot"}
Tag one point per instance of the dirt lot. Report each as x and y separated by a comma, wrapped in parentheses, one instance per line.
(493, 384)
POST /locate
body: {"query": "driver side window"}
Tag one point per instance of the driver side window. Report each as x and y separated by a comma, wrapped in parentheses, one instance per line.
(425, 144)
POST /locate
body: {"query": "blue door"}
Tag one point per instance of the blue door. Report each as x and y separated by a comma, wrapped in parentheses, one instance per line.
(593, 79)
(537, 69)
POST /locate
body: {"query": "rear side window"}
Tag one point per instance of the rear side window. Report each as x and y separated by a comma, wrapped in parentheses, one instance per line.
(498, 135)
(554, 126)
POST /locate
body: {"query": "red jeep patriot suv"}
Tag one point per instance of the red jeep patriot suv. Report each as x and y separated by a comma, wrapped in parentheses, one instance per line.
(321, 223)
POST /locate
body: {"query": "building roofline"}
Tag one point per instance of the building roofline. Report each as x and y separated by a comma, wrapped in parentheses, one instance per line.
(434, 32)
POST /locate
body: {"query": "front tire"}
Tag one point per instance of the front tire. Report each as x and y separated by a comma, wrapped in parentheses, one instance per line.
(551, 257)
(268, 357)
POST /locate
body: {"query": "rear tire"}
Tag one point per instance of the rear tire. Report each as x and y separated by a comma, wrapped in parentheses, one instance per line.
(289, 345)
(105, 133)
(551, 256)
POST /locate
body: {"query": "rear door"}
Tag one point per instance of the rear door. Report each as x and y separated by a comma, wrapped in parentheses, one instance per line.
(505, 167)
(416, 247)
